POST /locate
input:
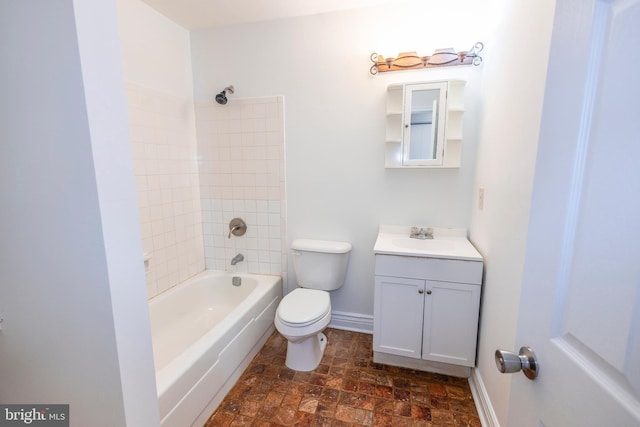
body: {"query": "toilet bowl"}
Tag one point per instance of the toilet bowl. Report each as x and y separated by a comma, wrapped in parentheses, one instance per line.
(301, 317)
(320, 266)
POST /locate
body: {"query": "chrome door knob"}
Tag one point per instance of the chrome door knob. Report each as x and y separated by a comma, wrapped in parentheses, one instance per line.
(508, 362)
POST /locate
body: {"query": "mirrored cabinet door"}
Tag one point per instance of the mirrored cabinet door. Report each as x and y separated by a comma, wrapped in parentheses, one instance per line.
(422, 137)
(424, 124)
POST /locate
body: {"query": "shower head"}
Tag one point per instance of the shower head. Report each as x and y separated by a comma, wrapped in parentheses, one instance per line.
(221, 98)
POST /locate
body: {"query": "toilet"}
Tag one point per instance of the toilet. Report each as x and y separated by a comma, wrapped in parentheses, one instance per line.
(320, 266)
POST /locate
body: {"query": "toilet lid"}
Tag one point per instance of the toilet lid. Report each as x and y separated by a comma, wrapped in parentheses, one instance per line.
(302, 307)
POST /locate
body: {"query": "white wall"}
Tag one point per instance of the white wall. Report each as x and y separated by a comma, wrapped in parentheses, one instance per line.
(157, 68)
(76, 326)
(156, 51)
(512, 95)
(337, 187)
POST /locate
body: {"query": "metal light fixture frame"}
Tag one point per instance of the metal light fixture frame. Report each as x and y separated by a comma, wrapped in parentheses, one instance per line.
(440, 58)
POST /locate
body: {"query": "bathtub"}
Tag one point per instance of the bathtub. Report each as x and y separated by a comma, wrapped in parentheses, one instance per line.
(205, 332)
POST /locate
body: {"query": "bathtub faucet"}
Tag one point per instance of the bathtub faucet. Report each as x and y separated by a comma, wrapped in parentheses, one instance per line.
(236, 259)
(233, 229)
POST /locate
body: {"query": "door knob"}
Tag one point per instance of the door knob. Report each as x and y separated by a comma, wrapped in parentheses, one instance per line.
(508, 362)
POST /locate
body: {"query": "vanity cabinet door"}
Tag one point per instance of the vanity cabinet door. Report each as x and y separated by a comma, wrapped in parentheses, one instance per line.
(451, 322)
(398, 311)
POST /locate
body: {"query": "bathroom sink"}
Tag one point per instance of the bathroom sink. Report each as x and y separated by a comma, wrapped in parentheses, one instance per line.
(450, 243)
(423, 245)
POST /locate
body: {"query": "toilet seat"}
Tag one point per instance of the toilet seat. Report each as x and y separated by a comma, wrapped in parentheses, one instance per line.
(303, 307)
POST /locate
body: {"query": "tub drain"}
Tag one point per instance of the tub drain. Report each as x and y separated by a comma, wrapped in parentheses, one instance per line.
(236, 281)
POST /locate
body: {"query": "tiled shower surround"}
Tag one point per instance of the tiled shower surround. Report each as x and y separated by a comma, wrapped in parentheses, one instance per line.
(242, 174)
(196, 169)
(164, 153)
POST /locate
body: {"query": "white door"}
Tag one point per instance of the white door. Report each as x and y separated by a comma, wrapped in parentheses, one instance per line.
(580, 303)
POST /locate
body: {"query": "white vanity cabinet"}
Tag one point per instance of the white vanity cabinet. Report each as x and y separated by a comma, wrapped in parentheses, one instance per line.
(426, 313)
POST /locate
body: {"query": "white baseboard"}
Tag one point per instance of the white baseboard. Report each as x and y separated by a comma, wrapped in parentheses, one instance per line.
(481, 398)
(351, 322)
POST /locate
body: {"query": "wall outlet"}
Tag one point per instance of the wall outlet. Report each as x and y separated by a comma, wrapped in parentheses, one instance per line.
(481, 198)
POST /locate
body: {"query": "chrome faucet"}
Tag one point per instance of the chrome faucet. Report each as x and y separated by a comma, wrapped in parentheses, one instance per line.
(421, 233)
(236, 259)
(237, 227)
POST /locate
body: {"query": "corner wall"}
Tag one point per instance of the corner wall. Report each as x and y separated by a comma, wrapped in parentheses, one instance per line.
(157, 66)
(76, 326)
(512, 96)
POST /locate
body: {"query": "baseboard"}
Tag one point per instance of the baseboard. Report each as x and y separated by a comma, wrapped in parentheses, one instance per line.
(481, 398)
(351, 322)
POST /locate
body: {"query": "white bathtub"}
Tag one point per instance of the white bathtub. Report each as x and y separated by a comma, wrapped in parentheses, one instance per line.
(205, 332)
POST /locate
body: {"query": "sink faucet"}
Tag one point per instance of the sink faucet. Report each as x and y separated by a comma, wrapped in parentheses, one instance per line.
(236, 259)
(421, 233)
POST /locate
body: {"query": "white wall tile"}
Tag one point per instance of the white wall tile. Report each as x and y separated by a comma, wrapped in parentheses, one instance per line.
(243, 178)
(188, 192)
(165, 164)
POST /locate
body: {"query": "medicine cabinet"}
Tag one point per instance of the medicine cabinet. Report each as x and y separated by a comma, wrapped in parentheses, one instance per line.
(424, 124)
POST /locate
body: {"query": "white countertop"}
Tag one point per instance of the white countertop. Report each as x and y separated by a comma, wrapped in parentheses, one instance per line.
(449, 243)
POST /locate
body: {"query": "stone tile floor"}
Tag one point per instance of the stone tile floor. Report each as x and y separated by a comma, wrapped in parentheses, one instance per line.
(347, 389)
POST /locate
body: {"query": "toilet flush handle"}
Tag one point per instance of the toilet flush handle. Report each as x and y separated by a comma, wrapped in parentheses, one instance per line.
(296, 253)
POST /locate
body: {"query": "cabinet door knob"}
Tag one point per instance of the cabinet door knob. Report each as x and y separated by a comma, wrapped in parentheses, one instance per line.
(428, 292)
(420, 291)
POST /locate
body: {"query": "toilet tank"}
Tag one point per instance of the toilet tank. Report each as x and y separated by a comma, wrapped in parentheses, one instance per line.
(320, 264)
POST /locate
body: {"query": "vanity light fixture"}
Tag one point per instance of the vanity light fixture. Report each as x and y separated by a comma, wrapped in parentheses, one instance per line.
(440, 58)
